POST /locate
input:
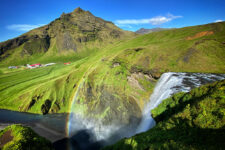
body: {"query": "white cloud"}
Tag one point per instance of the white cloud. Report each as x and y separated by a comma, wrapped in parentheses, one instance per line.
(218, 20)
(154, 21)
(23, 27)
(124, 25)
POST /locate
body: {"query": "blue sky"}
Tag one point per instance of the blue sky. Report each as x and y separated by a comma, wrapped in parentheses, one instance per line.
(18, 16)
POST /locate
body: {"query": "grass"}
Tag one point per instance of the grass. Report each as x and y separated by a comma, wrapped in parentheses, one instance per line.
(24, 138)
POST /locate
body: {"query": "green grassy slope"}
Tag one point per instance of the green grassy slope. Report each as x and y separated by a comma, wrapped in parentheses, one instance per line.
(22, 138)
(117, 78)
(193, 120)
(171, 50)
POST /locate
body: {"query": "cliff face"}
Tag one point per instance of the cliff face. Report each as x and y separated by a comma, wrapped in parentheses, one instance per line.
(193, 120)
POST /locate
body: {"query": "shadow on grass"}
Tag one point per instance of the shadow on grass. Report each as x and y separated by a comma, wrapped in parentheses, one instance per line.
(85, 139)
(82, 140)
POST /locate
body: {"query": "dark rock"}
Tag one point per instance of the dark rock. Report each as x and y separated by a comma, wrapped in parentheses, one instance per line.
(138, 49)
(32, 102)
(46, 107)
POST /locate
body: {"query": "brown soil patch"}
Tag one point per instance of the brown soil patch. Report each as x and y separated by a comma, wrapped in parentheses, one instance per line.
(200, 34)
(6, 137)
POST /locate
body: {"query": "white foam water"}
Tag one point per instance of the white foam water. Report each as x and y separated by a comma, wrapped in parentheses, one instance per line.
(94, 127)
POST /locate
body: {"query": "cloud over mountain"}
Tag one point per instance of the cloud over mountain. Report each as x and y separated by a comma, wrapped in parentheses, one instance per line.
(158, 20)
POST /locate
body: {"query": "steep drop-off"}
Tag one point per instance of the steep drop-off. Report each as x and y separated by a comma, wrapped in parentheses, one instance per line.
(193, 120)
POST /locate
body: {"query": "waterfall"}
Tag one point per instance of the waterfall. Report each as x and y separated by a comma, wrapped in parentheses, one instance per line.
(169, 84)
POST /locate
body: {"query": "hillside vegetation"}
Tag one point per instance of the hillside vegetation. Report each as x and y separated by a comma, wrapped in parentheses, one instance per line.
(193, 120)
(18, 137)
(113, 81)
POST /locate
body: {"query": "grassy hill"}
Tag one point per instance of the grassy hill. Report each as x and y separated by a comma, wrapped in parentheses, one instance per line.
(71, 34)
(193, 120)
(113, 81)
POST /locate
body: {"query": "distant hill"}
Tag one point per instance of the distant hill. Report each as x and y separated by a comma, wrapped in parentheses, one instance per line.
(145, 31)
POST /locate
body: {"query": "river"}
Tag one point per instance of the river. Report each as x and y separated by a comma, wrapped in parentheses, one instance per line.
(51, 126)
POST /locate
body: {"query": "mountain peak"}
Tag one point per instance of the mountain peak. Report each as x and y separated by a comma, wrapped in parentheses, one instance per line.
(78, 10)
(71, 31)
(145, 31)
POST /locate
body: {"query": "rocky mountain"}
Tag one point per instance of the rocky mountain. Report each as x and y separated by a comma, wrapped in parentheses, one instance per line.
(145, 31)
(71, 33)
